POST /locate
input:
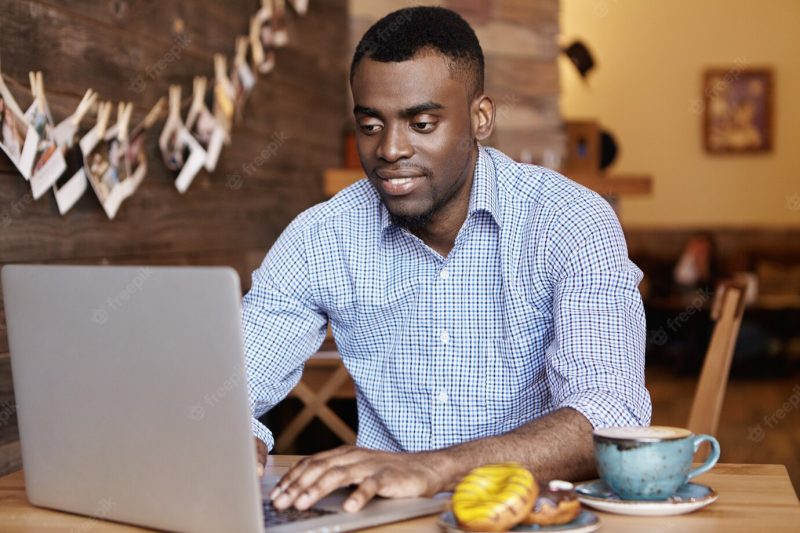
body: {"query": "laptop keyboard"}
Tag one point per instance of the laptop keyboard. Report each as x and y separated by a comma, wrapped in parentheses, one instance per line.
(274, 517)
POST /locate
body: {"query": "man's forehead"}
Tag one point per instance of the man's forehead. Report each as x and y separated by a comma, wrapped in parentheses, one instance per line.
(404, 83)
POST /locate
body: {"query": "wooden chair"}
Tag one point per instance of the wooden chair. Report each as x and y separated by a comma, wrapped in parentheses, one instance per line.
(727, 310)
(324, 378)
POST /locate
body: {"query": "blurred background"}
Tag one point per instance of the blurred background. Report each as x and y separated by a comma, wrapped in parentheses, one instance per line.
(682, 114)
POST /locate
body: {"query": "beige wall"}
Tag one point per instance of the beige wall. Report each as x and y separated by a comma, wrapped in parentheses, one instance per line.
(650, 55)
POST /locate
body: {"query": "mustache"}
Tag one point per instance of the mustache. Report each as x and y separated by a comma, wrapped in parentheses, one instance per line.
(378, 172)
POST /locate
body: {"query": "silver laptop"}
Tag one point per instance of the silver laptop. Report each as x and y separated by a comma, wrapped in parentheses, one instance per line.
(132, 402)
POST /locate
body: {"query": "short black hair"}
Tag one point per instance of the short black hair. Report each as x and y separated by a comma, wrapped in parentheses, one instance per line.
(404, 33)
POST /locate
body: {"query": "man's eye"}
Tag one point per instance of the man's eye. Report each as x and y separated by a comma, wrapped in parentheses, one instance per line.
(369, 129)
(424, 127)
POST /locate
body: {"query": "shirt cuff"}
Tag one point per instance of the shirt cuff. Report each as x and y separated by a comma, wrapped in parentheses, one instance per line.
(263, 434)
(603, 409)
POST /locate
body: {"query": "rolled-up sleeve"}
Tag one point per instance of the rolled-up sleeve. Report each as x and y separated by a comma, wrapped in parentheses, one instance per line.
(282, 326)
(595, 363)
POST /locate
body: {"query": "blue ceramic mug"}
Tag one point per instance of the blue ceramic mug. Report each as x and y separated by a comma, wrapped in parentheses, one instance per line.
(649, 463)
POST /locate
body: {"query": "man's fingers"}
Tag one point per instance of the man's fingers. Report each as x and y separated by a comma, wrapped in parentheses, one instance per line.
(362, 495)
(303, 476)
(298, 468)
(330, 480)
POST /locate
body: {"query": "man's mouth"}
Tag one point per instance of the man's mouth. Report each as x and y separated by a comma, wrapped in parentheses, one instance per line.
(399, 183)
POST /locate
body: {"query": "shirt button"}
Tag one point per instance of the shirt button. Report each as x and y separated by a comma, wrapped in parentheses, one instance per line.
(444, 337)
(442, 397)
(444, 274)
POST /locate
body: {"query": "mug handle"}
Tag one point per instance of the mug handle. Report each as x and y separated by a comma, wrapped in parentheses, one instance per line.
(712, 459)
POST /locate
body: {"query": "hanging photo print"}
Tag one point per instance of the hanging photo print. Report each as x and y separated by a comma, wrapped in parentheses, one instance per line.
(106, 166)
(72, 184)
(203, 126)
(136, 155)
(181, 152)
(48, 163)
(18, 139)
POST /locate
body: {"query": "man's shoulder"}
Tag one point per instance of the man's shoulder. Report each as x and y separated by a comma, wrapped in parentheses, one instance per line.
(354, 204)
(538, 189)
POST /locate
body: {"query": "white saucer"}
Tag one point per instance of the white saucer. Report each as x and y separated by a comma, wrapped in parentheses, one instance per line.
(690, 497)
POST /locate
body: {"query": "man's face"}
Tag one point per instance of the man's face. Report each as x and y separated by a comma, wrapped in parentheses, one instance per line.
(414, 136)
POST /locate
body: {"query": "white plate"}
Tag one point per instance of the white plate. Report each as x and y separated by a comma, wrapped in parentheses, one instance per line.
(585, 522)
(690, 497)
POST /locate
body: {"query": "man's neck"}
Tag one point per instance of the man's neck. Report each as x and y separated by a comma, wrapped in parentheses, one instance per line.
(441, 231)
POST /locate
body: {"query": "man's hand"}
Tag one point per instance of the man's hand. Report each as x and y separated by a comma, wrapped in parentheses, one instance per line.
(261, 457)
(391, 475)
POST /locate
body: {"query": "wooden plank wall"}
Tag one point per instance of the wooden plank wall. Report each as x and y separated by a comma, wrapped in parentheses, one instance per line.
(129, 50)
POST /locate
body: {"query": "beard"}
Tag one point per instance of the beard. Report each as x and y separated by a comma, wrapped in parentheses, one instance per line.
(413, 222)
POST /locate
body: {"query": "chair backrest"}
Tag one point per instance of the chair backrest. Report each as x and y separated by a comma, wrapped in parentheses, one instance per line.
(727, 309)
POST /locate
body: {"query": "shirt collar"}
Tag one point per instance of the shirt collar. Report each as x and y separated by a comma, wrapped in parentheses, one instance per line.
(482, 198)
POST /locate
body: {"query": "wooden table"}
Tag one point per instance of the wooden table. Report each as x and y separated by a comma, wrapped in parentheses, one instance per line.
(752, 498)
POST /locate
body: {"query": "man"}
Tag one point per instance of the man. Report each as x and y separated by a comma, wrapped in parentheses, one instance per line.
(486, 310)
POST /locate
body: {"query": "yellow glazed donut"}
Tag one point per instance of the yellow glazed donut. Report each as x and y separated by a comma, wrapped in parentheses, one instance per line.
(494, 497)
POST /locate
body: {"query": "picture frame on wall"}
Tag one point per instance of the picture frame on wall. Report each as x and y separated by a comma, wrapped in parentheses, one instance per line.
(737, 110)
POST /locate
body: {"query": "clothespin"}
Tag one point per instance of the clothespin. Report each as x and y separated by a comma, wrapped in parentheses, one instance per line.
(265, 13)
(199, 85)
(255, 42)
(220, 73)
(103, 113)
(172, 125)
(263, 62)
(223, 94)
(37, 91)
(86, 103)
(154, 114)
(300, 6)
(242, 43)
(279, 34)
(174, 103)
(124, 112)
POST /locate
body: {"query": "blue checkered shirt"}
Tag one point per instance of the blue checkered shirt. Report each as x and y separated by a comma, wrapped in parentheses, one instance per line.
(535, 308)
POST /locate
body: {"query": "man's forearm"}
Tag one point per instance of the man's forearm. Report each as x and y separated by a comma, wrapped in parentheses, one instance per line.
(555, 446)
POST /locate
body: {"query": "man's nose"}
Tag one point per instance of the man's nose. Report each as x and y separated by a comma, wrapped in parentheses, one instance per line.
(394, 144)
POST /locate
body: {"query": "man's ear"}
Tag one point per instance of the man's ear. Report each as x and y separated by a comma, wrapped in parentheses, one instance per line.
(483, 112)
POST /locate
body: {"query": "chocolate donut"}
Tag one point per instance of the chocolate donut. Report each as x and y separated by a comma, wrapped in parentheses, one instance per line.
(557, 504)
